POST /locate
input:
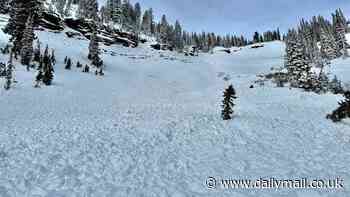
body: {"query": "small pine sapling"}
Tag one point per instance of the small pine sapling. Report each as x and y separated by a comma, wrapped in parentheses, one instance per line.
(227, 103)
(68, 64)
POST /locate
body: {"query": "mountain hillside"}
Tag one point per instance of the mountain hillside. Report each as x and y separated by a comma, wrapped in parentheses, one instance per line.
(151, 126)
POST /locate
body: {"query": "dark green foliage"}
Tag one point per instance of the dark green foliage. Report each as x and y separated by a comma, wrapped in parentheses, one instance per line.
(86, 69)
(68, 64)
(79, 65)
(227, 103)
(19, 14)
(53, 57)
(47, 68)
(343, 110)
(27, 42)
(6, 49)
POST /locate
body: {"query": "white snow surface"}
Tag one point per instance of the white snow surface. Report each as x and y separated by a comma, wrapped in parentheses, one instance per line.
(151, 127)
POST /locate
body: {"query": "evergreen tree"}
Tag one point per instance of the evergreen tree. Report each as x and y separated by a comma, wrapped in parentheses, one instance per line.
(37, 52)
(82, 7)
(19, 14)
(147, 22)
(328, 47)
(9, 73)
(298, 66)
(178, 36)
(137, 11)
(93, 46)
(79, 65)
(47, 68)
(343, 111)
(86, 69)
(68, 64)
(163, 30)
(4, 6)
(336, 86)
(256, 37)
(227, 103)
(340, 31)
(38, 79)
(94, 51)
(91, 11)
(53, 57)
(27, 43)
(114, 11)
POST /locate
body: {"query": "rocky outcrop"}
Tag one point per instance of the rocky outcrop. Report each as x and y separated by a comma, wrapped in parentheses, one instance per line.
(51, 21)
(83, 28)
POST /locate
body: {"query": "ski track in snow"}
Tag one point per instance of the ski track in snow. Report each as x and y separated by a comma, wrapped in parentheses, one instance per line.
(152, 127)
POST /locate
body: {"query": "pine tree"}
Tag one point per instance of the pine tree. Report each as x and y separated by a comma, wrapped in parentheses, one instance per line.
(227, 103)
(82, 7)
(178, 36)
(19, 14)
(163, 30)
(68, 64)
(27, 43)
(328, 47)
(299, 69)
(47, 68)
(79, 65)
(137, 13)
(94, 51)
(91, 7)
(340, 38)
(86, 69)
(4, 6)
(37, 52)
(53, 57)
(9, 73)
(336, 86)
(146, 23)
(343, 111)
(38, 79)
(114, 11)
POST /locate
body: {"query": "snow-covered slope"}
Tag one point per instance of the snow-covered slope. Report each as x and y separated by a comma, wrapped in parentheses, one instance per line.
(341, 67)
(152, 127)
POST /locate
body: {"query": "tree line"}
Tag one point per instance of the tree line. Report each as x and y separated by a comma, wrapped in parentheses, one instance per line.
(132, 18)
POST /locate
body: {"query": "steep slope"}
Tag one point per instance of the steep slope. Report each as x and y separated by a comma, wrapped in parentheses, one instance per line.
(152, 126)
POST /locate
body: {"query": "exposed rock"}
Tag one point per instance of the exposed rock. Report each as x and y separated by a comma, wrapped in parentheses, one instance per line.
(51, 21)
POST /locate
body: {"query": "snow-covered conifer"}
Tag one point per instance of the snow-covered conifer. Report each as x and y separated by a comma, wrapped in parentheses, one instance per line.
(37, 52)
(19, 15)
(47, 68)
(9, 73)
(27, 42)
(328, 45)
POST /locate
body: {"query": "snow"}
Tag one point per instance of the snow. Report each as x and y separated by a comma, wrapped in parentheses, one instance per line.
(151, 126)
